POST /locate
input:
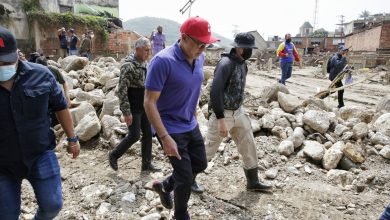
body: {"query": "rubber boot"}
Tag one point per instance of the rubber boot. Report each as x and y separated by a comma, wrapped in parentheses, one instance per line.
(253, 183)
(195, 187)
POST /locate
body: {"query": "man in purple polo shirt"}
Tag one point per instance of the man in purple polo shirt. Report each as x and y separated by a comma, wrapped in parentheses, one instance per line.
(158, 39)
(173, 84)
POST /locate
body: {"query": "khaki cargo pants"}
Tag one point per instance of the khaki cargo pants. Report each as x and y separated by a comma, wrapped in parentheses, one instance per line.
(239, 127)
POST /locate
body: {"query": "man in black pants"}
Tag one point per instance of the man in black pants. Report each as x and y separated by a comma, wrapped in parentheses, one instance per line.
(130, 92)
(338, 63)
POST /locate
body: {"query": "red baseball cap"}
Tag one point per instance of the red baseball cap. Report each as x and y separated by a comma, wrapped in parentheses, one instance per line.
(7, 46)
(198, 28)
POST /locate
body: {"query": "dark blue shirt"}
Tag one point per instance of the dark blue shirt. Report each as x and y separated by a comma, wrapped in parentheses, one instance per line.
(25, 132)
(63, 41)
(179, 83)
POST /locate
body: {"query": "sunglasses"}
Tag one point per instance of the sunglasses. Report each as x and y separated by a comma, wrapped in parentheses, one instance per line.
(200, 44)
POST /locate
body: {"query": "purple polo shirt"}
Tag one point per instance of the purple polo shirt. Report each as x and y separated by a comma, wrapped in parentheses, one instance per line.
(179, 84)
(158, 42)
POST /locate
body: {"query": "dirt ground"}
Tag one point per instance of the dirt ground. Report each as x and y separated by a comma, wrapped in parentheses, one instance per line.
(296, 194)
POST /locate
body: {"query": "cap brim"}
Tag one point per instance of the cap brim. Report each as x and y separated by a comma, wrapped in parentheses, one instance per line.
(234, 44)
(9, 57)
(208, 39)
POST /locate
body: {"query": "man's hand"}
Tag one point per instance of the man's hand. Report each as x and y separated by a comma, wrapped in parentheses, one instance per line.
(73, 148)
(129, 119)
(222, 128)
(170, 147)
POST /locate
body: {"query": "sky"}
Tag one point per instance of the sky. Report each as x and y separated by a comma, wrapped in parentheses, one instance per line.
(269, 18)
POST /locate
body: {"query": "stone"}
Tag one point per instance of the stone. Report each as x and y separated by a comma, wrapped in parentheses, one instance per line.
(382, 124)
(350, 152)
(385, 152)
(347, 164)
(313, 150)
(333, 156)
(80, 111)
(383, 104)
(286, 148)
(271, 173)
(153, 216)
(348, 112)
(380, 139)
(317, 120)
(347, 136)
(298, 137)
(340, 129)
(128, 197)
(340, 177)
(360, 130)
(108, 123)
(270, 93)
(268, 121)
(288, 102)
(103, 208)
(109, 106)
(88, 127)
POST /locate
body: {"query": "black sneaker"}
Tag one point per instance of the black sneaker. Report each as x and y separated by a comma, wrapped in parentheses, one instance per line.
(150, 168)
(197, 188)
(165, 197)
(113, 161)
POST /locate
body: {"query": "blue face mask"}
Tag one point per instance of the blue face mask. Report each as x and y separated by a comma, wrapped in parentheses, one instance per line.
(7, 72)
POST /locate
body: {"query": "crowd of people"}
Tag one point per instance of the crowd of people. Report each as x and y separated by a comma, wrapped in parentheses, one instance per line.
(32, 101)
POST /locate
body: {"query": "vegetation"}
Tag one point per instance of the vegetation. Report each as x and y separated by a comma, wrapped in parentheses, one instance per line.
(365, 14)
(320, 33)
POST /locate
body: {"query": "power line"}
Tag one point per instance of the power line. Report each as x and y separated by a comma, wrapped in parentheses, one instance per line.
(315, 20)
(186, 7)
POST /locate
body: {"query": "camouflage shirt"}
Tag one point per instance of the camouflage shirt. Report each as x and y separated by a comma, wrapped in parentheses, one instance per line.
(227, 89)
(131, 86)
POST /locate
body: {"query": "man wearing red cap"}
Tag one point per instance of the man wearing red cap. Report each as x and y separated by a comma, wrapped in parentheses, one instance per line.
(173, 84)
(28, 92)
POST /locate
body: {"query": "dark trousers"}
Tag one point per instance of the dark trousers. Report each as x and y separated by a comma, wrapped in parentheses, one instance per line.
(386, 214)
(286, 72)
(140, 123)
(340, 93)
(193, 161)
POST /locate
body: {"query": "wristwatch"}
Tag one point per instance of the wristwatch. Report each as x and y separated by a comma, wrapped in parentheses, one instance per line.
(73, 139)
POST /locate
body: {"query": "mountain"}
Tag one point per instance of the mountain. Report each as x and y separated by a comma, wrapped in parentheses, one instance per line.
(145, 26)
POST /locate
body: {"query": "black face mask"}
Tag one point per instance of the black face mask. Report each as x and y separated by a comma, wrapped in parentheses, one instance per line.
(288, 40)
(246, 53)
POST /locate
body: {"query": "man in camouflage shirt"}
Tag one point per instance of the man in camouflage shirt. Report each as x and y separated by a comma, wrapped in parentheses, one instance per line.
(130, 92)
(226, 98)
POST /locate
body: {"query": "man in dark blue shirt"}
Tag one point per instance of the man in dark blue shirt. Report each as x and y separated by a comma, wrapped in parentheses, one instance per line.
(338, 62)
(28, 92)
(63, 42)
(73, 43)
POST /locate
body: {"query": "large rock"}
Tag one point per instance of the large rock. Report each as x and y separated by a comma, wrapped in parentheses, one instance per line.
(94, 97)
(341, 129)
(298, 137)
(382, 124)
(360, 130)
(270, 93)
(316, 103)
(77, 63)
(288, 102)
(109, 106)
(268, 121)
(365, 115)
(108, 124)
(88, 127)
(379, 138)
(352, 153)
(80, 111)
(314, 150)
(317, 120)
(340, 177)
(384, 104)
(333, 156)
(385, 152)
(286, 148)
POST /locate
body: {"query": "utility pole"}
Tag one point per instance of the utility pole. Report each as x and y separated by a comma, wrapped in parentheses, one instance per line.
(315, 20)
(341, 26)
(186, 7)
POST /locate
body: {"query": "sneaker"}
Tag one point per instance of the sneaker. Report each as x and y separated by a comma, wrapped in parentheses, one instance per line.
(165, 197)
(113, 161)
(197, 188)
(150, 168)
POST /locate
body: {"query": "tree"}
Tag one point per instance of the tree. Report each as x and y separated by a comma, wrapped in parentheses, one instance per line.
(364, 14)
(320, 33)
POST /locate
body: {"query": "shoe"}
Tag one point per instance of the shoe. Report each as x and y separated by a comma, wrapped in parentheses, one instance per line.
(150, 168)
(253, 183)
(197, 188)
(113, 161)
(165, 197)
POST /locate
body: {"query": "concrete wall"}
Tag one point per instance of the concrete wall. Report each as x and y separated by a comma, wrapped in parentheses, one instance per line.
(368, 40)
(17, 23)
(50, 6)
(107, 3)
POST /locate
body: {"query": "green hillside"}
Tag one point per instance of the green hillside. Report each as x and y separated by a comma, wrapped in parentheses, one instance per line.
(145, 26)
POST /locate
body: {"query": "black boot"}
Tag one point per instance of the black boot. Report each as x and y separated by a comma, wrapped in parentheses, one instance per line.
(253, 183)
(113, 161)
(195, 187)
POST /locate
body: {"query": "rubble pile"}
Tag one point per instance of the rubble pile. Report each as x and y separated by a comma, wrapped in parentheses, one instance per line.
(317, 139)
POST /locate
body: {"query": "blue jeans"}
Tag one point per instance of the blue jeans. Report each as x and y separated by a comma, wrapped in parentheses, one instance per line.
(74, 52)
(386, 214)
(286, 71)
(193, 161)
(45, 179)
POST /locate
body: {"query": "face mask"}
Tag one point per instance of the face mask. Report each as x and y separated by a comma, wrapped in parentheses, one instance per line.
(288, 40)
(92, 36)
(246, 53)
(7, 72)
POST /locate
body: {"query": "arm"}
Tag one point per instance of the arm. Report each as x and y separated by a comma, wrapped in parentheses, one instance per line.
(280, 51)
(151, 36)
(66, 93)
(66, 122)
(122, 92)
(150, 105)
(296, 55)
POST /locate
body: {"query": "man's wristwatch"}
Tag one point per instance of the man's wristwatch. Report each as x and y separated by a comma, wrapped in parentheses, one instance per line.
(73, 139)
